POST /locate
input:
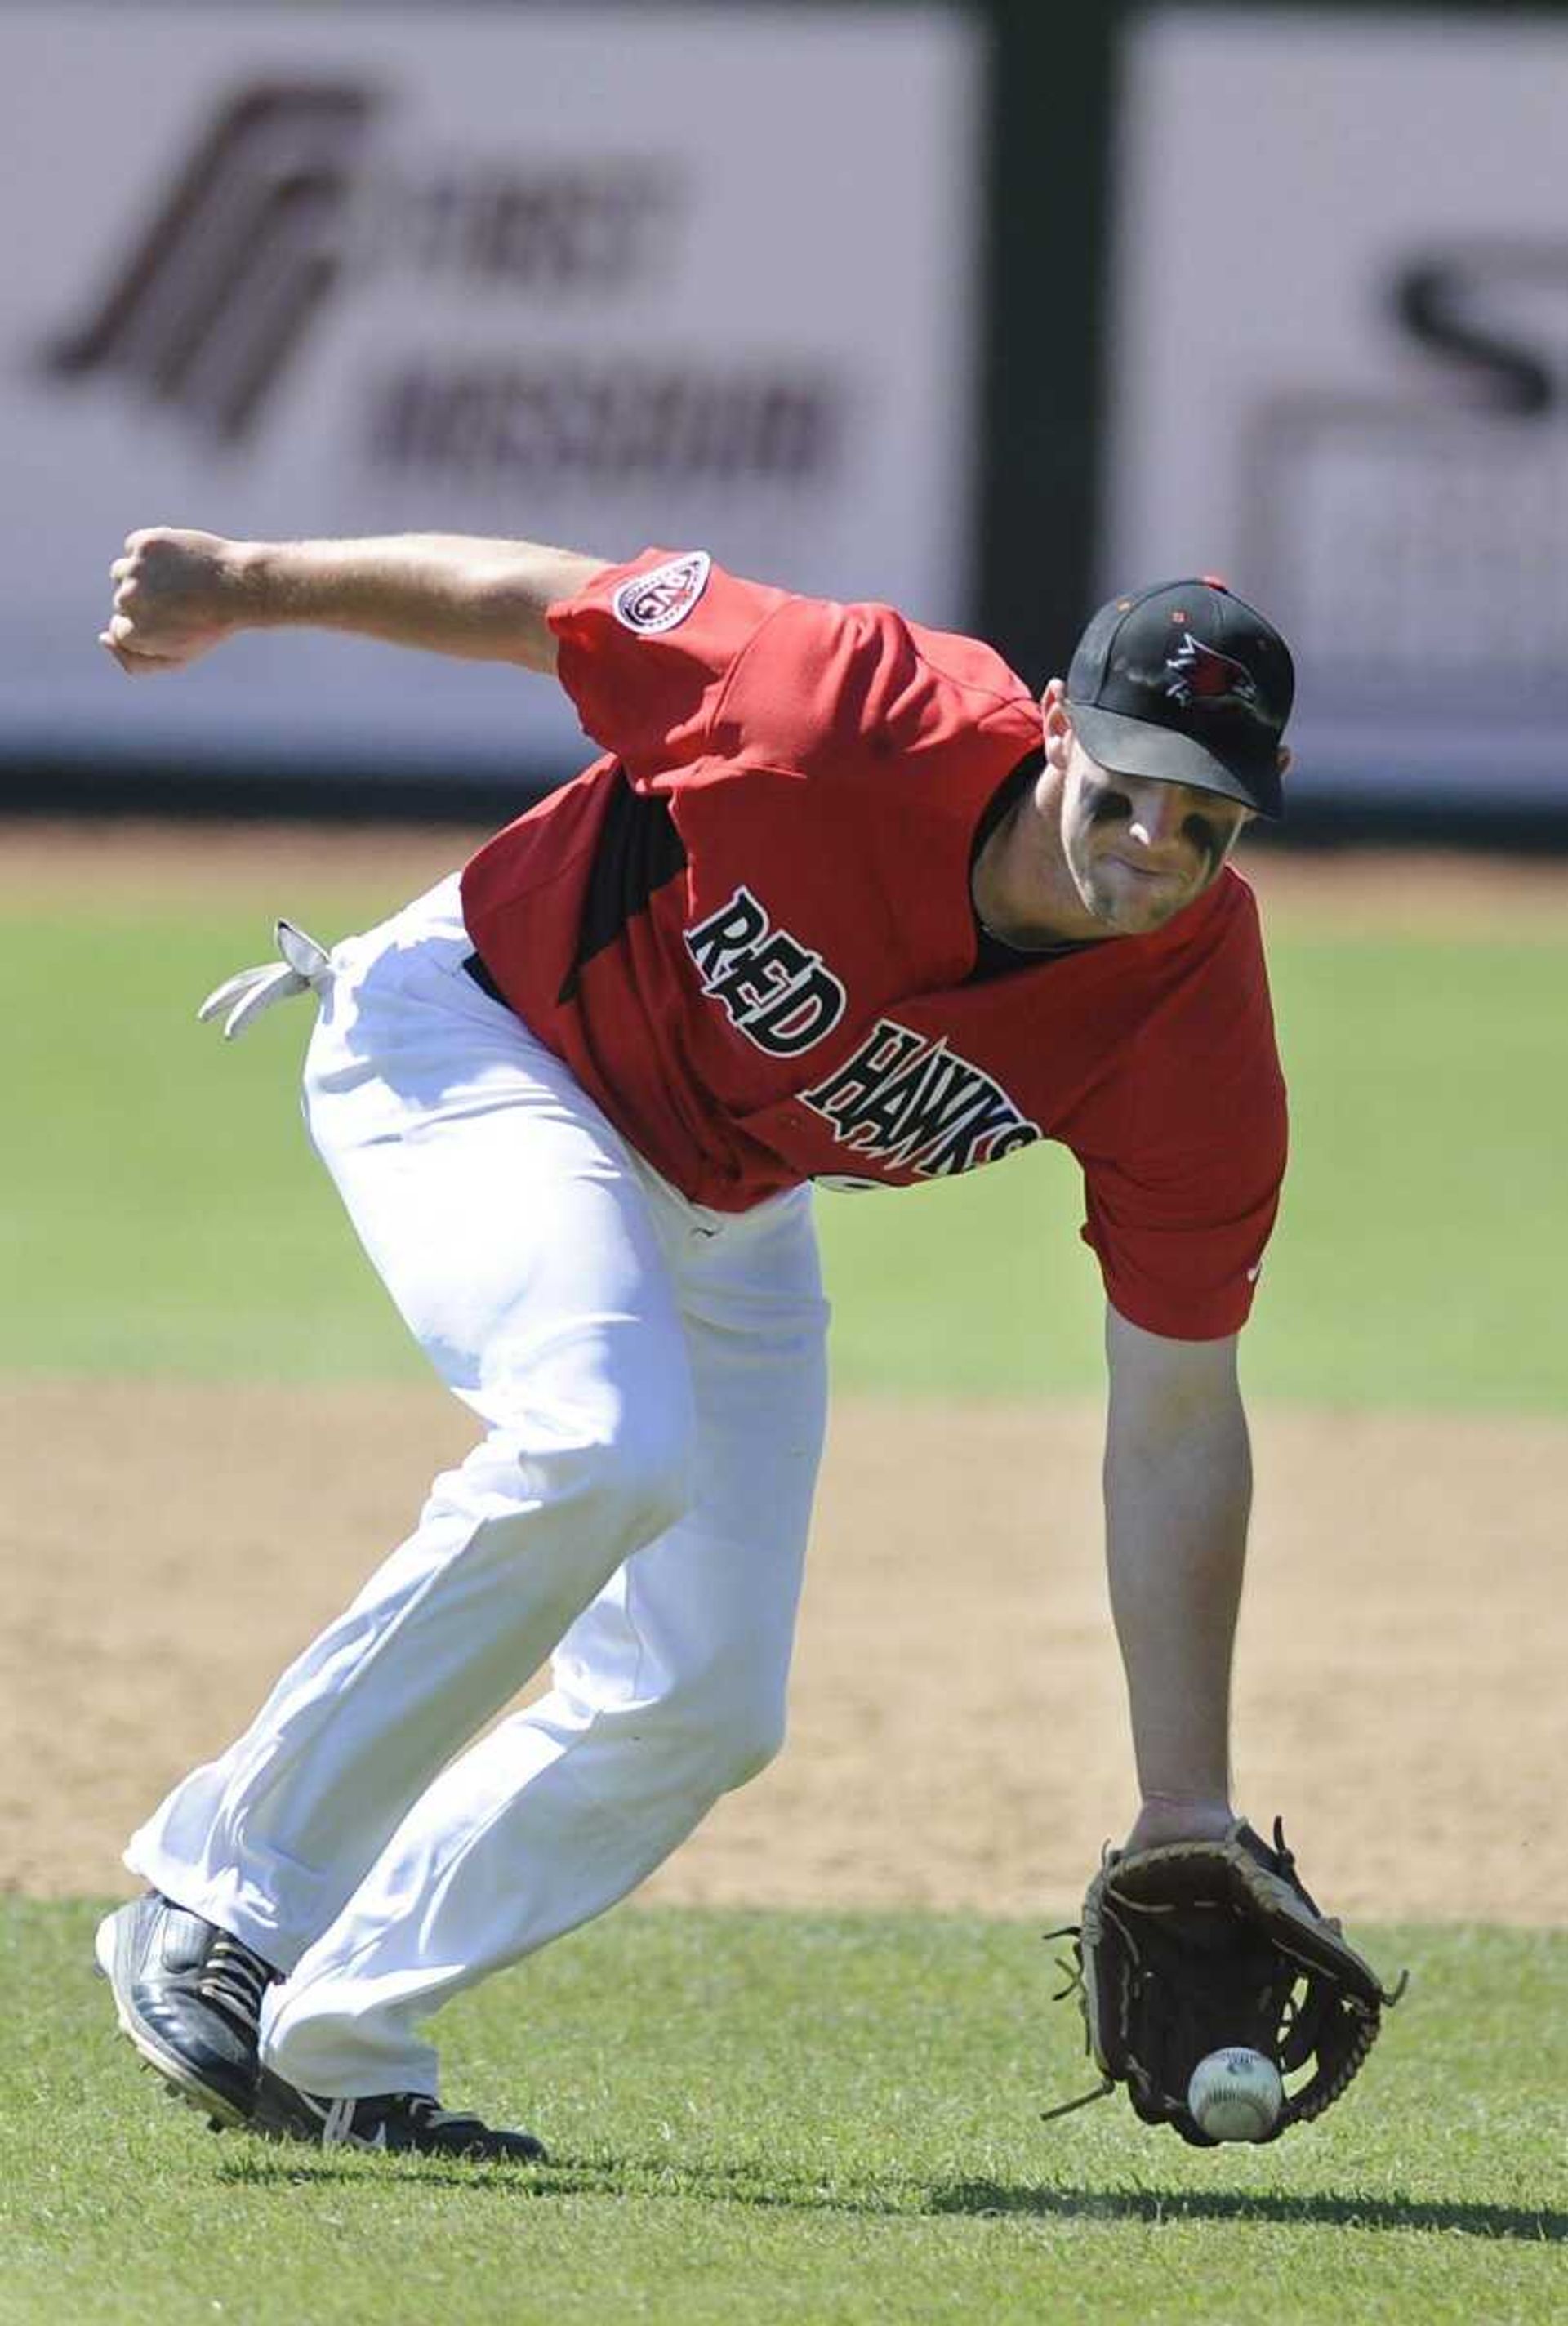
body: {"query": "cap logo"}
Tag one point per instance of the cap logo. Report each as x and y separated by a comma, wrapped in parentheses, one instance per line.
(1198, 673)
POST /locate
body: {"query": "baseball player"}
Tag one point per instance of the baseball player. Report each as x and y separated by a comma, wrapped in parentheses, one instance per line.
(842, 901)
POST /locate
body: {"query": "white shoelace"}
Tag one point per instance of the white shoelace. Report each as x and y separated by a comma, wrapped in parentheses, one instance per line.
(236, 1980)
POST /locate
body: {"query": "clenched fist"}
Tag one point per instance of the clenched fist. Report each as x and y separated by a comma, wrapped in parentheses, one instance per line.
(176, 594)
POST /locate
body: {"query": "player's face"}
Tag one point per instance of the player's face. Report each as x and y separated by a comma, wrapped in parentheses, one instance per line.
(1139, 851)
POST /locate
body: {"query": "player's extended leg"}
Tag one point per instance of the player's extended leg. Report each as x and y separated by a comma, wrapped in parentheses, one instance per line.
(668, 1690)
(516, 1235)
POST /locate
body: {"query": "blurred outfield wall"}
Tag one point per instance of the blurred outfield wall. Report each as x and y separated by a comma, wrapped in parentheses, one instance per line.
(986, 309)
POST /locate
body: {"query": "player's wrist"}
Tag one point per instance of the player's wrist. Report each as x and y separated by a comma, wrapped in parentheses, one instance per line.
(256, 584)
(1164, 1817)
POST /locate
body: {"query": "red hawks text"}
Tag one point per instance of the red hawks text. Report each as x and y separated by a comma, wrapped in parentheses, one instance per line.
(914, 1104)
(776, 993)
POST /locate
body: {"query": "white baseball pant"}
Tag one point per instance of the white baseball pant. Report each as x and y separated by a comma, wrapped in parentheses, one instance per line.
(651, 1378)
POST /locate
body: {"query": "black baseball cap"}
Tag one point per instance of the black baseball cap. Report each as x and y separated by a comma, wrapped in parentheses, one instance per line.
(1189, 684)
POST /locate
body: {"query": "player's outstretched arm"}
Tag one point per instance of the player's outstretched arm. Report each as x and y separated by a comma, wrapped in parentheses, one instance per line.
(179, 593)
(1178, 1486)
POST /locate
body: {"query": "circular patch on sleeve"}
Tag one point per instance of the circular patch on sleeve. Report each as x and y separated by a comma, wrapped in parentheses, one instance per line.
(662, 599)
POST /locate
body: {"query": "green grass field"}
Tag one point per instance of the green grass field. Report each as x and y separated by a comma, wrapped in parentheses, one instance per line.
(164, 1212)
(760, 2118)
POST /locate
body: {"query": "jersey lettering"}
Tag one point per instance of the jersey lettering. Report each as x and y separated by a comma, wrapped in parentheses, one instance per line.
(905, 1101)
(775, 990)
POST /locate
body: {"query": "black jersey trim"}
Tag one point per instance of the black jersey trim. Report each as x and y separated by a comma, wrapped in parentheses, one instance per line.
(639, 851)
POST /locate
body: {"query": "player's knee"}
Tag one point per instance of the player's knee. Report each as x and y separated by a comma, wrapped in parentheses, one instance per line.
(644, 1465)
(744, 1731)
(633, 1481)
(750, 1752)
(624, 1472)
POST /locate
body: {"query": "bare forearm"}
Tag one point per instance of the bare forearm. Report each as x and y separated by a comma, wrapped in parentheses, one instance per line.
(1176, 1537)
(180, 593)
(1178, 1489)
(448, 593)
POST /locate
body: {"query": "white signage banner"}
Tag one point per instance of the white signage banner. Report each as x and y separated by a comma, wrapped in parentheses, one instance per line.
(1338, 375)
(599, 276)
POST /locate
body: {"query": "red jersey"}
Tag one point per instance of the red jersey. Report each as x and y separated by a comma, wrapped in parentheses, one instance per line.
(749, 930)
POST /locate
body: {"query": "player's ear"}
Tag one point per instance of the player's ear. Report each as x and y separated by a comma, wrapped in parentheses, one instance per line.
(1055, 724)
(1282, 758)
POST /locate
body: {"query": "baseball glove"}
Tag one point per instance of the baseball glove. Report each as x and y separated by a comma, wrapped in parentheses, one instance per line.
(1200, 1945)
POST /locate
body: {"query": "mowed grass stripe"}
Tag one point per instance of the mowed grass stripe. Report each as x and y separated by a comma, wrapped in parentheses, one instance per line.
(764, 2117)
(164, 1212)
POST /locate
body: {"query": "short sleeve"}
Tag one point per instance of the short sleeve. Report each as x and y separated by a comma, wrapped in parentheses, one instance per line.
(826, 686)
(670, 657)
(1180, 1217)
(645, 650)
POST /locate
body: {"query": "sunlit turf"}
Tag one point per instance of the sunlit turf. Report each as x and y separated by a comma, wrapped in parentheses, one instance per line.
(161, 1210)
(755, 2117)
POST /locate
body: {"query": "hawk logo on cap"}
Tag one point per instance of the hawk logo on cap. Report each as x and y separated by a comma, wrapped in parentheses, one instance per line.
(1201, 675)
(660, 600)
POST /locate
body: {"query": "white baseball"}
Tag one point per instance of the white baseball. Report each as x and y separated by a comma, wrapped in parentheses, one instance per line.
(1235, 2095)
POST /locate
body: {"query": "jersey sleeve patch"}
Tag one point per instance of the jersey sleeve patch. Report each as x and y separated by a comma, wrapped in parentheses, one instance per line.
(661, 600)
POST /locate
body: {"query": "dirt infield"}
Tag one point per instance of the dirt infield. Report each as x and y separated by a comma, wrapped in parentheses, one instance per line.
(957, 1736)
